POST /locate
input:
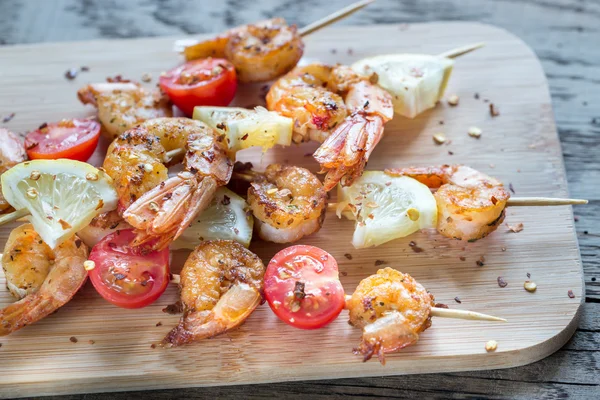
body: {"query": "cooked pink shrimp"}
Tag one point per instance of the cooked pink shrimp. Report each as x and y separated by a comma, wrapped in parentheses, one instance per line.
(221, 285)
(43, 278)
(335, 106)
(122, 105)
(12, 152)
(471, 204)
(392, 309)
(157, 207)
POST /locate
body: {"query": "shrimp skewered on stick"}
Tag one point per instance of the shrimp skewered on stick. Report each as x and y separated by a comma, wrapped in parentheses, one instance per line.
(157, 207)
(43, 279)
(392, 309)
(221, 285)
(335, 106)
(288, 202)
(467, 204)
(264, 50)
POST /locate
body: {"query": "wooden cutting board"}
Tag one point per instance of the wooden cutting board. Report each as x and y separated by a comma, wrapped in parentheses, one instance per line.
(520, 147)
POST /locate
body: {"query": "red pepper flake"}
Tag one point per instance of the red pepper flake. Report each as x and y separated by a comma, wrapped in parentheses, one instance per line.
(8, 117)
(414, 247)
(344, 273)
(73, 339)
(502, 282)
(308, 154)
(494, 200)
(91, 342)
(456, 299)
(450, 153)
(299, 290)
(512, 189)
(152, 346)
(462, 258)
(245, 137)
(380, 262)
(71, 73)
(571, 294)
(493, 110)
(516, 228)
(176, 308)
(348, 256)
(159, 323)
(480, 262)
(441, 305)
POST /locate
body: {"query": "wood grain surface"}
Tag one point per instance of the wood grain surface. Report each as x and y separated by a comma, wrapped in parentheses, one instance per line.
(561, 32)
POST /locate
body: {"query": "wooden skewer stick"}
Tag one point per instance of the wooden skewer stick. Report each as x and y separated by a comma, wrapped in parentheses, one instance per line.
(463, 314)
(542, 201)
(332, 18)
(530, 202)
(13, 216)
(459, 51)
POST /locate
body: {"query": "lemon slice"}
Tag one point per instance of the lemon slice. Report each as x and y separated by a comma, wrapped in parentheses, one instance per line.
(415, 81)
(386, 208)
(226, 218)
(245, 128)
(62, 196)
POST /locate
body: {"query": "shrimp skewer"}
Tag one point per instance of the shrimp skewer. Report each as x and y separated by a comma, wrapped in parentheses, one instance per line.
(157, 207)
(264, 50)
(44, 279)
(335, 106)
(392, 309)
(122, 105)
(221, 285)
(470, 204)
(12, 153)
(288, 203)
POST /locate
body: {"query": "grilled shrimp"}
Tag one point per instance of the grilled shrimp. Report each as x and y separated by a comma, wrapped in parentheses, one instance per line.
(288, 203)
(44, 279)
(122, 105)
(221, 285)
(470, 204)
(392, 309)
(335, 106)
(12, 152)
(260, 52)
(157, 207)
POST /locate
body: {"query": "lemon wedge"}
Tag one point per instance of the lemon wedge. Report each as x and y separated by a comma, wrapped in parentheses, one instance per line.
(415, 81)
(226, 218)
(61, 196)
(386, 208)
(244, 128)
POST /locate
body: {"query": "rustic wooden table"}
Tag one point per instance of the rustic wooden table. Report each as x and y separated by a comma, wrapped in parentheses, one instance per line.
(565, 36)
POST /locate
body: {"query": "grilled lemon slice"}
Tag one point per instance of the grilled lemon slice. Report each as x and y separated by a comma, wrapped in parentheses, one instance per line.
(226, 218)
(244, 128)
(386, 208)
(415, 81)
(62, 196)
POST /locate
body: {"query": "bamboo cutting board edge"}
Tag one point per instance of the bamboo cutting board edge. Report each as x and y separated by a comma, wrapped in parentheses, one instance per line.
(396, 365)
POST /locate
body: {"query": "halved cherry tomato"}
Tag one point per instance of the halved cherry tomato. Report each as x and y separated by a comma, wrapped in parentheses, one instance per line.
(204, 82)
(128, 277)
(70, 138)
(303, 288)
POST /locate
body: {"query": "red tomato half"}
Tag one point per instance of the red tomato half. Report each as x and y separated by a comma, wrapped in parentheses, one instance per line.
(303, 288)
(128, 277)
(70, 138)
(204, 82)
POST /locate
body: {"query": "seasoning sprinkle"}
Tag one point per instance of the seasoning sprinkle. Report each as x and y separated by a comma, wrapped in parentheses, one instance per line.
(456, 299)
(571, 294)
(71, 73)
(480, 262)
(475, 132)
(502, 282)
(439, 138)
(493, 110)
(380, 262)
(530, 286)
(348, 256)
(8, 117)
(89, 265)
(491, 345)
(453, 100)
(73, 339)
